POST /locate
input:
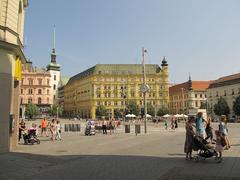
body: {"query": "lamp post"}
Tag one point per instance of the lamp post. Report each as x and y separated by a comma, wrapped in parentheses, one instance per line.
(124, 103)
(144, 90)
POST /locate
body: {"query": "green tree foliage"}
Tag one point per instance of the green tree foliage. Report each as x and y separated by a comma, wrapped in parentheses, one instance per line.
(162, 111)
(150, 109)
(31, 110)
(56, 110)
(101, 111)
(221, 108)
(118, 113)
(133, 108)
(236, 106)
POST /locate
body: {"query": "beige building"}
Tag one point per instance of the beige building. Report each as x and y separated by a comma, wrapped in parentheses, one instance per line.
(11, 56)
(227, 87)
(107, 84)
(187, 95)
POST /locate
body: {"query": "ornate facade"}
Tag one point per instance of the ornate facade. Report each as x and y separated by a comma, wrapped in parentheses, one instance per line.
(105, 85)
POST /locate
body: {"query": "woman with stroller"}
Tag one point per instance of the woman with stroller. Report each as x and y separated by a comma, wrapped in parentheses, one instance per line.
(189, 138)
(223, 129)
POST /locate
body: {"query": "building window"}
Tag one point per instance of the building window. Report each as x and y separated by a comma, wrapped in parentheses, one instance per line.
(30, 91)
(195, 95)
(105, 103)
(39, 81)
(21, 91)
(21, 101)
(29, 100)
(55, 77)
(30, 82)
(48, 92)
(200, 95)
(115, 103)
(233, 92)
(39, 91)
(54, 97)
(48, 82)
(47, 100)
(217, 94)
(39, 100)
(54, 87)
(98, 103)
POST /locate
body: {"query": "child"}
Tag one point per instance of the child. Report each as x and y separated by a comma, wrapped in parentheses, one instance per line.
(223, 129)
(219, 145)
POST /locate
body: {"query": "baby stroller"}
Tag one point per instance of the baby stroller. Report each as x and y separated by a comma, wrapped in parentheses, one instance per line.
(31, 137)
(90, 129)
(204, 148)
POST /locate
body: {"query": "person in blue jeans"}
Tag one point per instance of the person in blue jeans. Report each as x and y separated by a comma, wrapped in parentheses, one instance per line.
(200, 125)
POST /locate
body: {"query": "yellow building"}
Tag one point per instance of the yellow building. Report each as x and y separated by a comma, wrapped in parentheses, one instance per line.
(105, 84)
(12, 13)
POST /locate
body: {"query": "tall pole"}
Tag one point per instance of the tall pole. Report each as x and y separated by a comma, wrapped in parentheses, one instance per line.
(144, 92)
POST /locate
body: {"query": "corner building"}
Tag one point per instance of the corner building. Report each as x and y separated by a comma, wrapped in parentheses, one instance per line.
(105, 84)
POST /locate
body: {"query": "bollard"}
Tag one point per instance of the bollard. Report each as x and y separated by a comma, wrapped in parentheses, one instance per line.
(137, 129)
(66, 128)
(127, 128)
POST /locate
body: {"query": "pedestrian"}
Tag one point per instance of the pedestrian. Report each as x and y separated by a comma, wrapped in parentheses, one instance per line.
(44, 127)
(172, 123)
(104, 126)
(58, 131)
(188, 146)
(176, 123)
(208, 130)
(53, 129)
(21, 129)
(224, 130)
(110, 127)
(200, 125)
(220, 143)
(165, 124)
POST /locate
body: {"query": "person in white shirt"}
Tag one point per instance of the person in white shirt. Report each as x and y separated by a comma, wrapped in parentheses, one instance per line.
(58, 131)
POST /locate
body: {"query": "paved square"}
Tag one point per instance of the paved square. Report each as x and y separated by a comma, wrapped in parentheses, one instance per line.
(157, 155)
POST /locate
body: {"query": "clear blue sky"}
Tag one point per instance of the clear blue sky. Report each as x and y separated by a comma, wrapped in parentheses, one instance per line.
(197, 36)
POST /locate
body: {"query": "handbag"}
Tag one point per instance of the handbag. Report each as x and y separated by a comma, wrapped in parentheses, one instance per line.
(223, 142)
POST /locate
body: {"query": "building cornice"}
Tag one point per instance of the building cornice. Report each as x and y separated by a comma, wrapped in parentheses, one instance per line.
(15, 48)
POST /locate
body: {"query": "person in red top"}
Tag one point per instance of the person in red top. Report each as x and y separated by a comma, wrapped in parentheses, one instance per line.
(44, 127)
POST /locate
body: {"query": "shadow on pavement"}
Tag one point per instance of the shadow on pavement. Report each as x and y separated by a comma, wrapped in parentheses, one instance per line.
(23, 166)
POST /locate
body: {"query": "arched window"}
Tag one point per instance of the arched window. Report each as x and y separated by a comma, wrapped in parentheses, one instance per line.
(47, 100)
(39, 91)
(39, 100)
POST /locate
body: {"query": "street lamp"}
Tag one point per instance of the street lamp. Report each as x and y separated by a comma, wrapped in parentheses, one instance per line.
(144, 89)
(124, 103)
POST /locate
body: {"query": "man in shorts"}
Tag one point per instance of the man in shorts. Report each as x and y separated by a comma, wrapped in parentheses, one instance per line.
(44, 127)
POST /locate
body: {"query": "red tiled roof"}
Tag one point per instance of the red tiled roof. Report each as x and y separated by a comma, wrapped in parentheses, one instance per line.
(196, 85)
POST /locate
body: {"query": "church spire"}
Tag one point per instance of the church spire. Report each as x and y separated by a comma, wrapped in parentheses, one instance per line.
(190, 83)
(53, 54)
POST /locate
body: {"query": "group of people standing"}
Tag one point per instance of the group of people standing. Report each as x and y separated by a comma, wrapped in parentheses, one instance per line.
(53, 126)
(200, 127)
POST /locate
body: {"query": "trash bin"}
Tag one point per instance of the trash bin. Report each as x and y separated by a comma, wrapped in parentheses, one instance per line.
(137, 129)
(127, 128)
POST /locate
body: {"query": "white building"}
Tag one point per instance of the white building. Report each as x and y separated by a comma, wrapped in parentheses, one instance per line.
(227, 87)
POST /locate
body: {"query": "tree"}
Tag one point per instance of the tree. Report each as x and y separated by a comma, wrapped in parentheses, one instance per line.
(150, 109)
(101, 111)
(163, 111)
(221, 108)
(118, 113)
(236, 106)
(133, 108)
(55, 110)
(31, 110)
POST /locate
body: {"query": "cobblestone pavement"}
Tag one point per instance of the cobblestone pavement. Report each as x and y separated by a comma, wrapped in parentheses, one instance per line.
(155, 156)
